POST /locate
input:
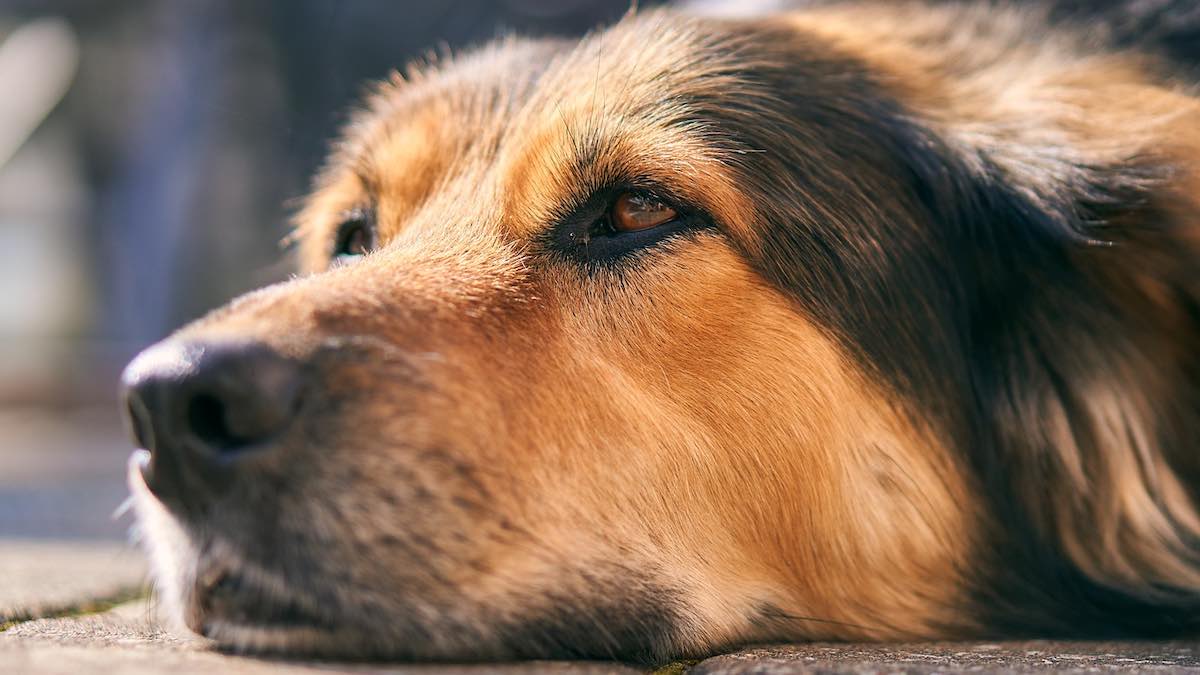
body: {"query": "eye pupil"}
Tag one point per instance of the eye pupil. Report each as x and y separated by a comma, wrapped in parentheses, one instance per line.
(355, 236)
(633, 211)
(356, 241)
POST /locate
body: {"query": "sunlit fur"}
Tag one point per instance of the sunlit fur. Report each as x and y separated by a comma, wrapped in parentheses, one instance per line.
(932, 372)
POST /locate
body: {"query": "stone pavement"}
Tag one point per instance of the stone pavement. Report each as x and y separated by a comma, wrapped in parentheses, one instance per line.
(42, 578)
(73, 594)
(949, 657)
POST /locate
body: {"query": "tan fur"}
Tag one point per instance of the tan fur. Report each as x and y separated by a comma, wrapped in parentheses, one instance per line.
(534, 424)
(686, 379)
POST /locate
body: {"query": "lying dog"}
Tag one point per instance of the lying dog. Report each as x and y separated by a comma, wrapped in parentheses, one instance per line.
(867, 321)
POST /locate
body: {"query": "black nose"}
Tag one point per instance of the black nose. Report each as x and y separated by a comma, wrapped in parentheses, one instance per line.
(203, 408)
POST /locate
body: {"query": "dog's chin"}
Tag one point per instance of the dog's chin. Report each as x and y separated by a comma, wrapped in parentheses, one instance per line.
(203, 584)
(246, 610)
(242, 612)
(216, 595)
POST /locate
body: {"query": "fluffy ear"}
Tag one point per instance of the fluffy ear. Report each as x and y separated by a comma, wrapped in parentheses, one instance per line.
(1031, 279)
(1072, 206)
(1086, 365)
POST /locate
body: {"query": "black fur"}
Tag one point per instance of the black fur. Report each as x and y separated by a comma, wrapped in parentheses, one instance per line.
(1168, 27)
(966, 294)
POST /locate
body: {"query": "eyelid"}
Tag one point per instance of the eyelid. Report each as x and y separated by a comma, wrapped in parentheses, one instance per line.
(355, 213)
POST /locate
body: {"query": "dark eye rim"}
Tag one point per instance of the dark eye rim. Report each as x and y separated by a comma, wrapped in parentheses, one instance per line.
(352, 222)
(587, 234)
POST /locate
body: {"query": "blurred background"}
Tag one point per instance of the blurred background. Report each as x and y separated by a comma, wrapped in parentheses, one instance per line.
(150, 154)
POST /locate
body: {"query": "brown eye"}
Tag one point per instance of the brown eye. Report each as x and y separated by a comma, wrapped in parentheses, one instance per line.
(355, 237)
(633, 212)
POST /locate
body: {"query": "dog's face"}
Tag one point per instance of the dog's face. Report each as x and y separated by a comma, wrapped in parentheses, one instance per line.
(583, 362)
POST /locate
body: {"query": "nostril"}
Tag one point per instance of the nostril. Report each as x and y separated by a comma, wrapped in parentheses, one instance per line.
(200, 401)
(207, 418)
(139, 424)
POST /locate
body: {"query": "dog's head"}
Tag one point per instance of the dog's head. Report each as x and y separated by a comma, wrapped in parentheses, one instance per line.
(689, 333)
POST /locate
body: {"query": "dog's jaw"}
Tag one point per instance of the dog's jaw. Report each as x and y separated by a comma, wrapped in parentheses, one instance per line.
(184, 589)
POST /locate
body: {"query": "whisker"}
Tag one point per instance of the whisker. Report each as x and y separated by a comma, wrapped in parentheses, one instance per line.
(779, 614)
(122, 508)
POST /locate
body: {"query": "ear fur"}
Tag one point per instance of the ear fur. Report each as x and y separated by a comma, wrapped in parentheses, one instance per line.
(1085, 371)
(1061, 172)
(1016, 251)
(1085, 336)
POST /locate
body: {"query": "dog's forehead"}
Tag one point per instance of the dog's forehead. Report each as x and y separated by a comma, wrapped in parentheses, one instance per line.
(518, 132)
(511, 88)
(420, 128)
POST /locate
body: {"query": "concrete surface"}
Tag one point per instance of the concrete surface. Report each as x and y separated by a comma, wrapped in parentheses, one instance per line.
(40, 578)
(949, 657)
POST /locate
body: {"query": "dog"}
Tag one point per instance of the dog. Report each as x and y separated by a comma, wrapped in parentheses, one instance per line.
(854, 321)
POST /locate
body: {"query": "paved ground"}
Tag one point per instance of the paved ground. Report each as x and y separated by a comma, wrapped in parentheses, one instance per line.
(73, 598)
(1005, 657)
(47, 578)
